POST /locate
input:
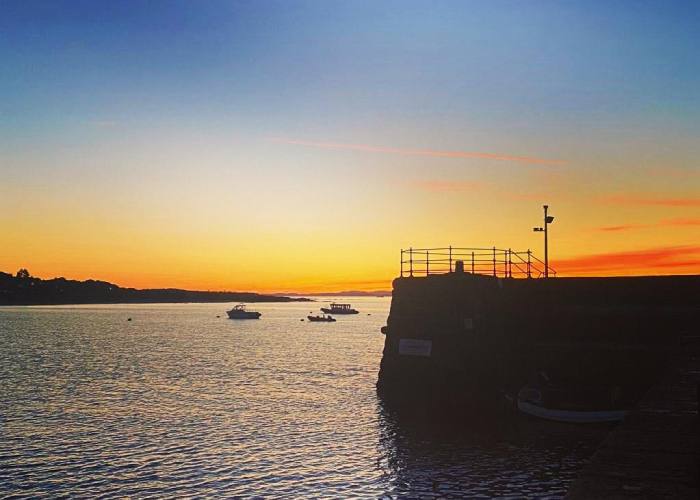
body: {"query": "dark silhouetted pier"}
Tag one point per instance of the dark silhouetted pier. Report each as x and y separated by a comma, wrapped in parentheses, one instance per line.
(464, 328)
(655, 452)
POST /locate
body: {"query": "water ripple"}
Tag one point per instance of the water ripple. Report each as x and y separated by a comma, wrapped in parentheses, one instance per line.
(178, 402)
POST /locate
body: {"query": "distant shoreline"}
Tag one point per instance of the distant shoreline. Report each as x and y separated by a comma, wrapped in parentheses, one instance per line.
(350, 293)
(155, 303)
(25, 290)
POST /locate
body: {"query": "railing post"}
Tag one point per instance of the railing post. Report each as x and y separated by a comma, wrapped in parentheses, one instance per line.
(529, 272)
(427, 262)
(410, 259)
(494, 261)
(450, 258)
(509, 269)
(402, 262)
(472, 262)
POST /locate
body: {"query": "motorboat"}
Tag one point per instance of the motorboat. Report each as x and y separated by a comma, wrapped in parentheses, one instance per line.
(339, 309)
(239, 312)
(575, 405)
(324, 318)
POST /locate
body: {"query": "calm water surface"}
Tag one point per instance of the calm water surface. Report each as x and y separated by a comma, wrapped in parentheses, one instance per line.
(180, 402)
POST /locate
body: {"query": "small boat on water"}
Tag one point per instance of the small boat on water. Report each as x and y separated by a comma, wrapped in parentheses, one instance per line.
(324, 318)
(339, 309)
(239, 312)
(574, 405)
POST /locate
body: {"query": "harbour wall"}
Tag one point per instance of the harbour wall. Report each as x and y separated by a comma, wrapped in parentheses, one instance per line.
(454, 337)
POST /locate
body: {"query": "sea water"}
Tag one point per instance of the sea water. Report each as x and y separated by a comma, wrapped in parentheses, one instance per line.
(182, 401)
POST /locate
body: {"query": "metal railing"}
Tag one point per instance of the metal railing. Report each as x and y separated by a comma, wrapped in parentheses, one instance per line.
(498, 262)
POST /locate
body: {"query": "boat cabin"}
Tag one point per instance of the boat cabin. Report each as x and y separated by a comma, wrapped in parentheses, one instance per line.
(339, 309)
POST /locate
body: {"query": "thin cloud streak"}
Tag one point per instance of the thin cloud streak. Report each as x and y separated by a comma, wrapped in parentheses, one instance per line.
(626, 227)
(418, 152)
(680, 221)
(641, 200)
(640, 260)
(673, 172)
(445, 186)
(442, 186)
(104, 123)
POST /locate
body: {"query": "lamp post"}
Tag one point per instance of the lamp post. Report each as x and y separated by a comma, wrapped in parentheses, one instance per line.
(548, 219)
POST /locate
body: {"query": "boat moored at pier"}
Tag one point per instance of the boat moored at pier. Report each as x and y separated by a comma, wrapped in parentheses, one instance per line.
(573, 404)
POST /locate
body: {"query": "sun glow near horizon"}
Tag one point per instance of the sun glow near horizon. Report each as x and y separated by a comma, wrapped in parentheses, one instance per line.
(297, 147)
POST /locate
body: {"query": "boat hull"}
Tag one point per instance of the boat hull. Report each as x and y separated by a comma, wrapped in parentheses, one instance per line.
(243, 315)
(328, 310)
(571, 416)
(318, 319)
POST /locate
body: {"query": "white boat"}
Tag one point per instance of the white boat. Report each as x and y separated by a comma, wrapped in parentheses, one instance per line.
(339, 309)
(533, 400)
(239, 312)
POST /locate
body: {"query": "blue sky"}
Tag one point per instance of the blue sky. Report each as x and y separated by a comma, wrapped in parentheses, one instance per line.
(337, 68)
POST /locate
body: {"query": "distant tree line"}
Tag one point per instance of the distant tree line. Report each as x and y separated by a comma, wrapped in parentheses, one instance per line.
(24, 289)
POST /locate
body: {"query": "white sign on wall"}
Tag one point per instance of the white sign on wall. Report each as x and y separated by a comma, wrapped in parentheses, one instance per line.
(415, 347)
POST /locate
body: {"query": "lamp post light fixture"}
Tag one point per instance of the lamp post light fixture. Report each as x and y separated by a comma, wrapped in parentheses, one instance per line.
(548, 219)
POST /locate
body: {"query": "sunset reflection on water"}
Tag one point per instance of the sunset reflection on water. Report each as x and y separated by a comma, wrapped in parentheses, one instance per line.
(180, 402)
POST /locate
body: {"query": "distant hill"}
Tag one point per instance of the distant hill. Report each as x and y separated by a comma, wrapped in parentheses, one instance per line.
(347, 293)
(28, 290)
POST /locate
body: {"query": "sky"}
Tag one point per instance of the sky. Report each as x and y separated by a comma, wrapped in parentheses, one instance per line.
(299, 146)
